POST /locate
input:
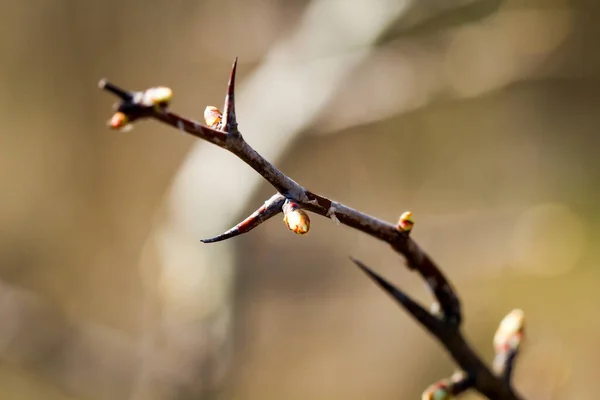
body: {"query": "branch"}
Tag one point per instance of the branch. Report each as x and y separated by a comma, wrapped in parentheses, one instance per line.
(153, 102)
(292, 199)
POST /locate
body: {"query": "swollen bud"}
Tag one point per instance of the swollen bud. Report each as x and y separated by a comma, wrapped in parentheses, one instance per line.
(406, 222)
(212, 116)
(157, 96)
(119, 121)
(438, 391)
(510, 333)
(296, 219)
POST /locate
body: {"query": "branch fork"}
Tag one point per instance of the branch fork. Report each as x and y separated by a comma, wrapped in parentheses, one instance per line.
(294, 202)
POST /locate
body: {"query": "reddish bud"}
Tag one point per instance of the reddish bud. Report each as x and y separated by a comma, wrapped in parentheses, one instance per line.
(406, 222)
(118, 121)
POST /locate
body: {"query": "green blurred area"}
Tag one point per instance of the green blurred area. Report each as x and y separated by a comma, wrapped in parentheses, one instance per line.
(497, 158)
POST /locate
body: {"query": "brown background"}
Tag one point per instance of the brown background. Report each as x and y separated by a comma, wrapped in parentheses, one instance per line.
(481, 117)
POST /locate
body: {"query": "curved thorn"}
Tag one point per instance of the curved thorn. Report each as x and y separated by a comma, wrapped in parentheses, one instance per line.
(268, 210)
(123, 94)
(229, 120)
(431, 323)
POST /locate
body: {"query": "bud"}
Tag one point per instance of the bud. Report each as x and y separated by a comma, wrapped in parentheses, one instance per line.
(510, 332)
(436, 309)
(406, 222)
(296, 219)
(437, 391)
(157, 96)
(212, 116)
(119, 121)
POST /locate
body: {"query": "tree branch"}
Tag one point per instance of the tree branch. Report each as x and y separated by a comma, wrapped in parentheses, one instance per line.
(154, 102)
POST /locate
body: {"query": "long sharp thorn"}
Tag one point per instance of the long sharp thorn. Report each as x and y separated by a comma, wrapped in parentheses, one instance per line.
(229, 119)
(431, 323)
(235, 231)
(268, 210)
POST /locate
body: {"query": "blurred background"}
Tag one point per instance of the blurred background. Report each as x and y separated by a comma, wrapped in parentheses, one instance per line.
(480, 116)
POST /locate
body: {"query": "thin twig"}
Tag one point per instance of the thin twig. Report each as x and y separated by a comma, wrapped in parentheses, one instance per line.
(137, 105)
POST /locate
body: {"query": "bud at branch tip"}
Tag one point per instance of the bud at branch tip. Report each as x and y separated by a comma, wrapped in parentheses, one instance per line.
(119, 121)
(510, 332)
(406, 222)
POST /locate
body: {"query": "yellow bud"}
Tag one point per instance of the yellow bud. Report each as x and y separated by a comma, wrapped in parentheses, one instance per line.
(510, 331)
(118, 121)
(297, 220)
(406, 222)
(212, 116)
(157, 96)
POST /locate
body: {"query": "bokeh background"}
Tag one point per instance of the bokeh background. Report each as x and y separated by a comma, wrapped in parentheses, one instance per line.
(480, 116)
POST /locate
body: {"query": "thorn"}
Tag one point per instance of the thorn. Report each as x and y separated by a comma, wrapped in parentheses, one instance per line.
(235, 231)
(229, 119)
(268, 210)
(434, 325)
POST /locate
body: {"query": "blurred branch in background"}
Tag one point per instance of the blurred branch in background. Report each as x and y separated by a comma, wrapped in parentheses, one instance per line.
(458, 62)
